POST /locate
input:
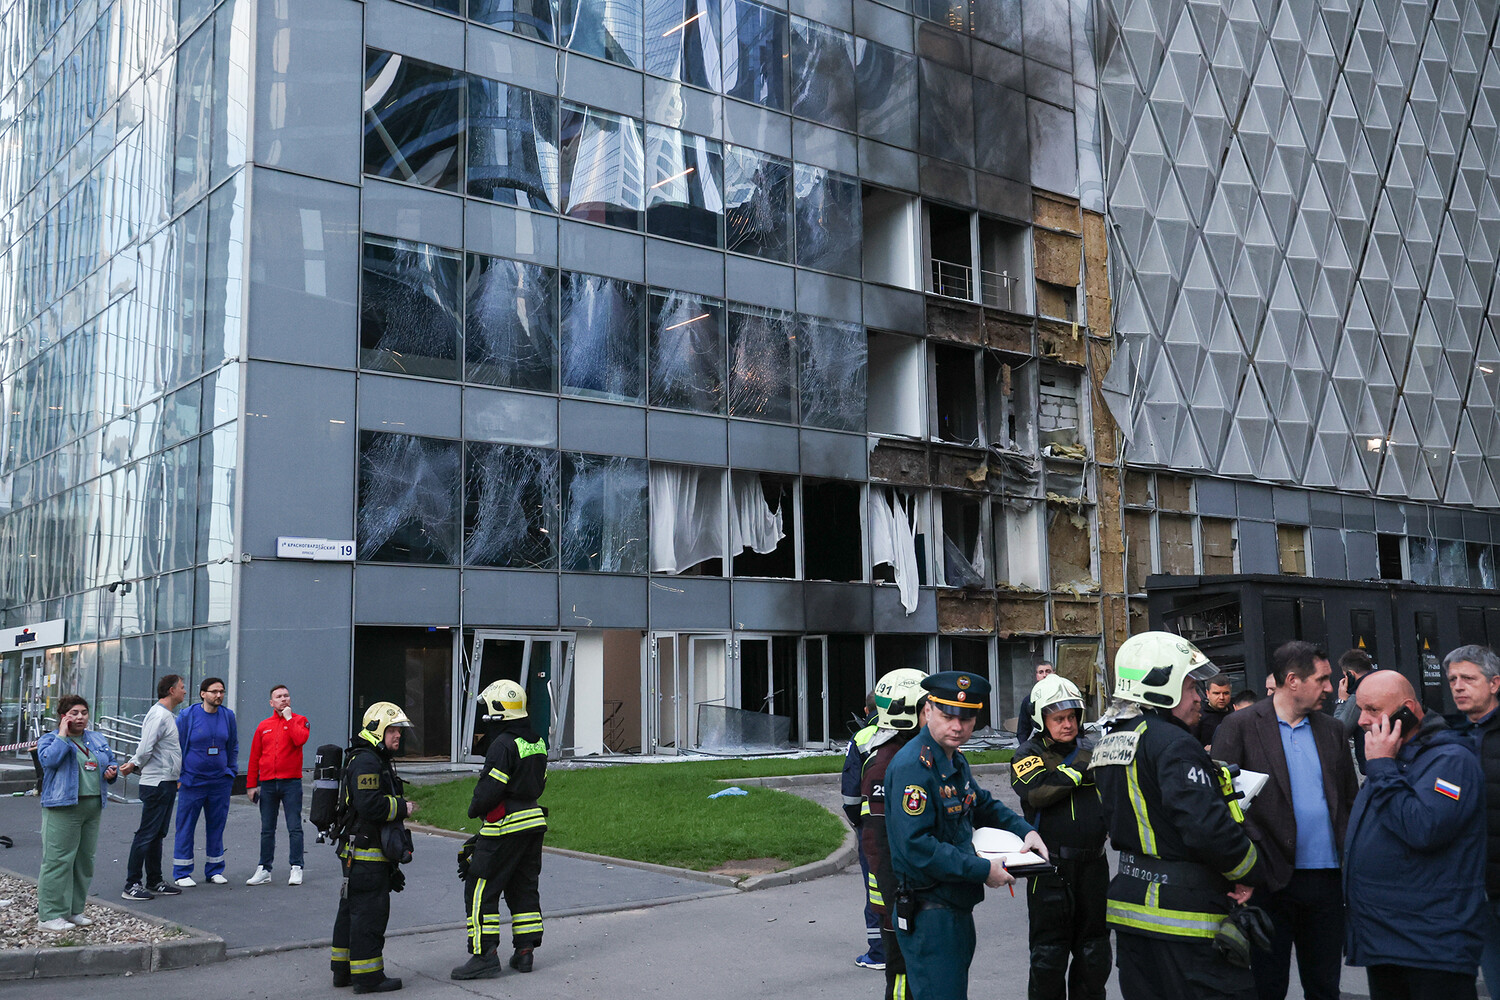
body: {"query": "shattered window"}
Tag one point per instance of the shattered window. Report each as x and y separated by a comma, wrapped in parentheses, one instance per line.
(685, 186)
(1422, 553)
(761, 540)
(830, 218)
(410, 308)
(512, 151)
(604, 514)
(761, 381)
(1070, 548)
(603, 337)
(822, 74)
(758, 204)
(833, 543)
(414, 121)
(511, 506)
(963, 542)
(833, 374)
(408, 499)
(687, 352)
(511, 323)
(1453, 564)
(603, 167)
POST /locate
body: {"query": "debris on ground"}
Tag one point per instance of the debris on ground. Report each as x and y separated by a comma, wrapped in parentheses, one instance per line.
(18, 923)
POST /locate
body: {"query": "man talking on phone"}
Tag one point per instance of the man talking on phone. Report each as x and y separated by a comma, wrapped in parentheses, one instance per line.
(1414, 857)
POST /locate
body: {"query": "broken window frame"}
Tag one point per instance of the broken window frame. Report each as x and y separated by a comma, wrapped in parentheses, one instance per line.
(918, 505)
(1051, 440)
(1017, 533)
(790, 506)
(710, 483)
(1085, 511)
(946, 512)
(1005, 262)
(824, 507)
(1015, 411)
(896, 366)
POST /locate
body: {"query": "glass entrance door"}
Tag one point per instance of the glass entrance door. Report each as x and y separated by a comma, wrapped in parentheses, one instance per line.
(541, 662)
(38, 696)
(686, 670)
(812, 690)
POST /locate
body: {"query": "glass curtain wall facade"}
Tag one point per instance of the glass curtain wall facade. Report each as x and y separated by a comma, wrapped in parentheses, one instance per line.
(696, 359)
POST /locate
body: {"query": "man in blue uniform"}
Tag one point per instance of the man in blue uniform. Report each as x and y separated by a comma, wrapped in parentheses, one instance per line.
(935, 805)
(873, 957)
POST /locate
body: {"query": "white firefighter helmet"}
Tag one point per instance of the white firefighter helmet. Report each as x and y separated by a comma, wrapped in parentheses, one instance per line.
(503, 699)
(896, 697)
(1054, 693)
(381, 716)
(1150, 668)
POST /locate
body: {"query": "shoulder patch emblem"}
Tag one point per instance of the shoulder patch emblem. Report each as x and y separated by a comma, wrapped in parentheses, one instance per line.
(1447, 788)
(914, 800)
(1025, 766)
(368, 781)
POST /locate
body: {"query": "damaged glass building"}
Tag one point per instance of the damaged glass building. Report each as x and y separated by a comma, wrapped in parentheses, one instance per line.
(698, 361)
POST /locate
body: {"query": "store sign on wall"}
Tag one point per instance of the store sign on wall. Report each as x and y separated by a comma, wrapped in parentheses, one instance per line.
(316, 549)
(39, 636)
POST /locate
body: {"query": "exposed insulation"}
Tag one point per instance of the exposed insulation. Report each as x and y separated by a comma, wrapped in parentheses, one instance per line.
(1176, 537)
(1076, 661)
(954, 321)
(1061, 342)
(1069, 549)
(975, 616)
(1218, 545)
(893, 462)
(1056, 212)
(1019, 616)
(1059, 258)
(1137, 551)
(1111, 540)
(1079, 617)
(1105, 433)
(1096, 272)
(1138, 488)
(1174, 492)
(1004, 335)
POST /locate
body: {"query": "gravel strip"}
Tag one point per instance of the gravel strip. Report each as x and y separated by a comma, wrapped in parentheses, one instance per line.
(18, 923)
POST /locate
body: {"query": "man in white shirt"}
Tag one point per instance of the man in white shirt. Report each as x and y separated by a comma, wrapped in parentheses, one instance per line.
(159, 759)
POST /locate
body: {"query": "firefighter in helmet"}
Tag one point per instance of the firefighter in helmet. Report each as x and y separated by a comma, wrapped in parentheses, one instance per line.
(506, 855)
(1186, 864)
(371, 799)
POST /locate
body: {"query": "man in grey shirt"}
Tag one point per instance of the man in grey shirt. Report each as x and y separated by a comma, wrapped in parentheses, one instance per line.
(159, 759)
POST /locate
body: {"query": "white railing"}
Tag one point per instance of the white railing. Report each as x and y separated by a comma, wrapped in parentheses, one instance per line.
(997, 289)
(953, 280)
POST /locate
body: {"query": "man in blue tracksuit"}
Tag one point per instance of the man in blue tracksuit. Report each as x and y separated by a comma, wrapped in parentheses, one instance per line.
(1415, 852)
(933, 805)
(854, 763)
(210, 759)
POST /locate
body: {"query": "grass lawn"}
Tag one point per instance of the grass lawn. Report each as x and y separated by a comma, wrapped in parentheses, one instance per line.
(661, 813)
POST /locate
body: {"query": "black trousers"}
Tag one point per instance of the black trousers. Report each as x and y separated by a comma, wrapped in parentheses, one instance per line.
(359, 928)
(896, 987)
(1066, 916)
(1402, 982)
(1153, 968)
(156, 817)
(515, 874)
(1307, 913)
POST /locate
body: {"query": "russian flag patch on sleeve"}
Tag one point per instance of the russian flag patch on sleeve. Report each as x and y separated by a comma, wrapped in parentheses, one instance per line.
(1447, 788)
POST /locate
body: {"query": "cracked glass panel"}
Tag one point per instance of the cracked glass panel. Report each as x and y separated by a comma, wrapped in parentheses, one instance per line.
(408, 499)
(829, 219)
(510, 323)
(528, 18)
(823, 74)
(687, 352)
(762, 383)
(887, 83)
(755, 53)
(833, 357)
(511, 506)
(603, 167)
(512, 145)
(682, 41)
(410, 308)
(605, 508)
(685, 193)
(603, 337)
(413, 120)
(605, 29)
(758, 204)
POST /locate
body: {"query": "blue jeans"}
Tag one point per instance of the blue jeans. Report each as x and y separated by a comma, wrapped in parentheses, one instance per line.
(156, 818)
(284, 794)
(1489, 961)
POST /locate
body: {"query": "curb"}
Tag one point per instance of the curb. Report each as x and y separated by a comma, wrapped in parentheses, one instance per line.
(196, 948)
(840, 859)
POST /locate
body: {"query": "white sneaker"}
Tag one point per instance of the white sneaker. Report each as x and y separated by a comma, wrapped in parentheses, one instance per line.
(221, 880)
(79, 920)
(261, 876)
(295, 878)
(186, 882)
(55, 924)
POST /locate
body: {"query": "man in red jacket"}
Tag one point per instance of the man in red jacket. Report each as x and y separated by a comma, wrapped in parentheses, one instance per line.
(274, 779)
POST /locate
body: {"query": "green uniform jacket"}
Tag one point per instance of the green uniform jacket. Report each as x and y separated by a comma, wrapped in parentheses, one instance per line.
(1164, 801)
(933, 806)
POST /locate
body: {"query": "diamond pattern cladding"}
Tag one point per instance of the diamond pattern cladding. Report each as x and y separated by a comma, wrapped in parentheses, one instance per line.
(1305, 197)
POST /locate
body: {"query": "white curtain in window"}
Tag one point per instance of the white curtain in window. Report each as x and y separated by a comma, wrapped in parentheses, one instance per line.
(894, 543)
(687, 517)
(753, 524)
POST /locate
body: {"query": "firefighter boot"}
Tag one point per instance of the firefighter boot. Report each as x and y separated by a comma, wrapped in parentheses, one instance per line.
(485, 966)
(521, 960)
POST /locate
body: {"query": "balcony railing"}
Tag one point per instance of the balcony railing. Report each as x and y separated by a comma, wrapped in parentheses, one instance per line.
(956, 281)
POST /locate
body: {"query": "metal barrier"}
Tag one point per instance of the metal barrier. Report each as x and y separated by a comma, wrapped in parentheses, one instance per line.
(123, 736)
(953, 280)
(997, 289)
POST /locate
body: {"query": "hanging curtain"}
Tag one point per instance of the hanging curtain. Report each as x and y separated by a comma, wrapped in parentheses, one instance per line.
(687, 517)
(753, 524)
(893, 543)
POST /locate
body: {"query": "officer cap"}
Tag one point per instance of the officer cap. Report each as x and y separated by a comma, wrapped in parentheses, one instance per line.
(957, 692)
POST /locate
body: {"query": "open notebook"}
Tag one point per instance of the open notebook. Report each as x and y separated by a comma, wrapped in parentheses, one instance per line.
(991, 843)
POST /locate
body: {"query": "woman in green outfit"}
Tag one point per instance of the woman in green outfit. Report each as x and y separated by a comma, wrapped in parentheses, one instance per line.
(76, 765)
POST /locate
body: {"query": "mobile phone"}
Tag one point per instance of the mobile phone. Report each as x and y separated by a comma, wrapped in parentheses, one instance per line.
(1407, 718)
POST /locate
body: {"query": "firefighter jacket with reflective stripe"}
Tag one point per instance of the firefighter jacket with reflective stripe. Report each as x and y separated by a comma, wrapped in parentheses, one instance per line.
(881, 887)
(372, 792)
(1181, 840)
(854, 762)
(514, 776)
(935, 806)
(1057, 792)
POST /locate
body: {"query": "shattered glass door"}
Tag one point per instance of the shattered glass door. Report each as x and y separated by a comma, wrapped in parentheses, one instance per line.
(542, 663)
(812, 700)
